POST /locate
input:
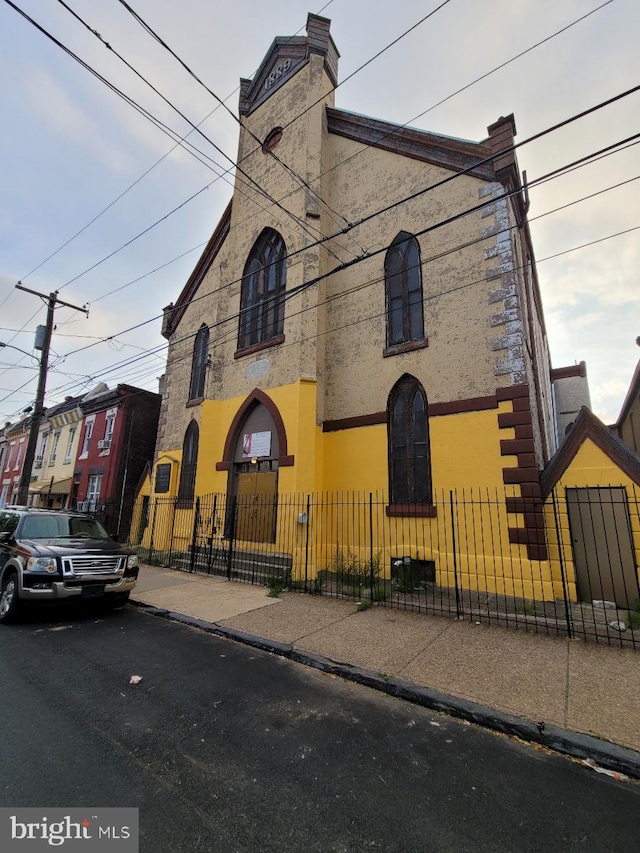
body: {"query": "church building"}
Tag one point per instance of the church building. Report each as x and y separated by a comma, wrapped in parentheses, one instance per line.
(366, 317)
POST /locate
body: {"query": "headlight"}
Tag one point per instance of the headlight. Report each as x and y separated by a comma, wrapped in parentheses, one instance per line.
(132, 561)
(42, 564)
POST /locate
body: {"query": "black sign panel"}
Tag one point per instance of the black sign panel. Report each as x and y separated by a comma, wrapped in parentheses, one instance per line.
(163, 478)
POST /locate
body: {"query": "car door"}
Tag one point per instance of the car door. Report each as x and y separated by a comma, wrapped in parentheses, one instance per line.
(8, 524)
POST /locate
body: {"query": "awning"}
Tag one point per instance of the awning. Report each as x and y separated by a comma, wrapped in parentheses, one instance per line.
(44, 487)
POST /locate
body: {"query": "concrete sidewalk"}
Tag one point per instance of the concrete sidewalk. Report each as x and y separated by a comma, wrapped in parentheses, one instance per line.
(546, 681)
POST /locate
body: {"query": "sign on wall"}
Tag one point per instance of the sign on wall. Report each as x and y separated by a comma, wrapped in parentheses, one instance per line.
(163, 478)
(256, 444)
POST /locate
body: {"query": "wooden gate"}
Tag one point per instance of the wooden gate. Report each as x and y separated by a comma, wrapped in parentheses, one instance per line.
(602, 545)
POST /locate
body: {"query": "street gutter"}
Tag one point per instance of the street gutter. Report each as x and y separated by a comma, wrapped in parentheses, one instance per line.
(610, 756)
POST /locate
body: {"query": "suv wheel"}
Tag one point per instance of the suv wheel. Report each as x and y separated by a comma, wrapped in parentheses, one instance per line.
(9, 602)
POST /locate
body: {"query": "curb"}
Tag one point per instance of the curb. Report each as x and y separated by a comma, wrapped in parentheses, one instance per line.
(611, 756)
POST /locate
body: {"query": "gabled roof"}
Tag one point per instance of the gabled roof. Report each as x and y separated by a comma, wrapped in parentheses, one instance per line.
(445, 151)
(175, 312)
(290, 53)
(585, 426)
(632, 393)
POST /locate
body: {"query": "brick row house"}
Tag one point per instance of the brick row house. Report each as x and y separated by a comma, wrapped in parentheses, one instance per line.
(90, 453)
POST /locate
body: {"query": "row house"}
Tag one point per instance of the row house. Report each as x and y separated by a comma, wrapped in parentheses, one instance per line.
(115, 442)
(56, 448)
(15, 444)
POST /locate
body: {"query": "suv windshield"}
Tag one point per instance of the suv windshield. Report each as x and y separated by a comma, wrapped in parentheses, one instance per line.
(61, 527)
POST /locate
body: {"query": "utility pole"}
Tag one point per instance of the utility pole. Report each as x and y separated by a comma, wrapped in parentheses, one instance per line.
(38, 408)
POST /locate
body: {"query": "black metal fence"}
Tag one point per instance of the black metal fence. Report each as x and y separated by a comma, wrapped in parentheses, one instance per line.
(457, 558)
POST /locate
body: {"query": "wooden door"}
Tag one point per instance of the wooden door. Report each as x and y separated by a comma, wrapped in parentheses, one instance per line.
(256, 506)
(602, 546)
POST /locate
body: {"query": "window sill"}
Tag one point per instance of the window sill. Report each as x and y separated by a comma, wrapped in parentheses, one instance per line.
(412, 510)
(272, 342)
(195, 402)
(407, 346)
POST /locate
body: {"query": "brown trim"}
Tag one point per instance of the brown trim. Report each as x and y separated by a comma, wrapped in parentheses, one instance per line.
(200, 270)
(411, 510)
(568, 372)
(525, 474)
(514, 446)
(520, 475)
(585, 426)
(632, 393)
(527, 536)
(355, 422)
(458, 407)
(254, 398)
(512, 419)
(511, 392)
(524, 431)
(454, 154)
(195, 402)
(408, 346)
(272, 342)
(454, 407)
(522, 404)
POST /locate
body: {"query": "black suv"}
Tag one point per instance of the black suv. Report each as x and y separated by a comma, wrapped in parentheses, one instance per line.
(56, 555)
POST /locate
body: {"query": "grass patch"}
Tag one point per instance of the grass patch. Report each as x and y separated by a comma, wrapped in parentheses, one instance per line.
(634, 619)
(526, 607)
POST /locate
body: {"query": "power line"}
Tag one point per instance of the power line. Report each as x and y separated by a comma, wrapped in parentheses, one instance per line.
(391, 132)
(133, 184)
(162, 127)
(542, 179)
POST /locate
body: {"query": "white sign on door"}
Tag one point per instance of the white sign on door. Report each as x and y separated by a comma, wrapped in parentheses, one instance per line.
(256, 444)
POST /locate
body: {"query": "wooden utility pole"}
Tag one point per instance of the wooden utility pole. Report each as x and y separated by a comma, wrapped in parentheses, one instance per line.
(38, 408)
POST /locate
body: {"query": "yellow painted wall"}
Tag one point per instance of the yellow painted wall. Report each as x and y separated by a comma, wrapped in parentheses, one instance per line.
(590, 468)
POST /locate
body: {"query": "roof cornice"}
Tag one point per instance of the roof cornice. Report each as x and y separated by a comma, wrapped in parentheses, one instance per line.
(585, 426)
(174, 313)
(454, 154)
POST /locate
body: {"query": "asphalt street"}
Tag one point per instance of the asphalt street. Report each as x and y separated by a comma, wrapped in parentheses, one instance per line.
(225, 748)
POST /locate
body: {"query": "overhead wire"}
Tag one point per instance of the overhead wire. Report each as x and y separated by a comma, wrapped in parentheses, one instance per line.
(543, 179)
(514, 146)
(391, 132)
(130, 186)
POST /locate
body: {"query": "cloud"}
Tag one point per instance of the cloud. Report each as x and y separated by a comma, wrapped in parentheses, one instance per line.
(65, 118)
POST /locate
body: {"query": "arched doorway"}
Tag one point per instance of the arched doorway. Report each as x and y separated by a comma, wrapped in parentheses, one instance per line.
(254, 451)
(255, 476)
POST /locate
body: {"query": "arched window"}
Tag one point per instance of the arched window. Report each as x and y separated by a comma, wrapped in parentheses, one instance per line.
(409, 455)
(186, 489)
(263, 287)
(199, 363)
(403, 291)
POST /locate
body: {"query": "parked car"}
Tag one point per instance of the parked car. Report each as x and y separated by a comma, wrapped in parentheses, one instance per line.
(58, 555)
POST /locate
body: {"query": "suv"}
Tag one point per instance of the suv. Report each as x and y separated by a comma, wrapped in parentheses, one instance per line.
(57, 555)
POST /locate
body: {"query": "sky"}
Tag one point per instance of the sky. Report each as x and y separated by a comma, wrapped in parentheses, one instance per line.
(70, 148)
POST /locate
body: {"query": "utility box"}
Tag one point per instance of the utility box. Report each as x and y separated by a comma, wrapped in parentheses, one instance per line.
(41, 331)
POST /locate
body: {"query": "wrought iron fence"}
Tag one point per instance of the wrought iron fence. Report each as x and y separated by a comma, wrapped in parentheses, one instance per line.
(458, 557)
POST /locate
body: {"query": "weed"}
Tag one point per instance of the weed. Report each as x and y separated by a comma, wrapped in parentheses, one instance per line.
(275, 584)
(364, 605)
(526, 607)
(354, 574)
(634, 619)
